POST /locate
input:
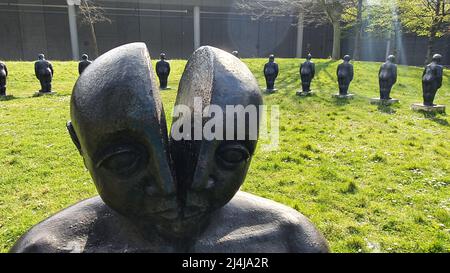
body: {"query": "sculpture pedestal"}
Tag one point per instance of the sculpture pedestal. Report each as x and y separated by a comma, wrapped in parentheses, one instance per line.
(271, 90)
(379, 101)
(38, 94)
(165, 88)
(304, 94)
(344, 97)
(428, 109)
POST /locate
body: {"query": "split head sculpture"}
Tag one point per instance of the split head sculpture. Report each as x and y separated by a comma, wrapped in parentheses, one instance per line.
(3, 76)
(307, 73)
(432, 80)
(271, 73)
(345, 75)
(163, 71)
(84, 63)
(161, 193)
(387, 76)
(43, 70)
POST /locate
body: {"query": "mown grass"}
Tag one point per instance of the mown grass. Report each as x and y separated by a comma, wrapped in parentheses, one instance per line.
(371, 179)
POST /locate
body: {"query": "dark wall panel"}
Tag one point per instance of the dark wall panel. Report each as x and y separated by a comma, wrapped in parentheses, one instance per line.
(26, 31)
(33, 31)
(11, 38)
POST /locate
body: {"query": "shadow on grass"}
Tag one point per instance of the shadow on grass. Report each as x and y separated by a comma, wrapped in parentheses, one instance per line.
(435, 117)
(8, 97)
(341, 102)
(387, 109)
(323, 67)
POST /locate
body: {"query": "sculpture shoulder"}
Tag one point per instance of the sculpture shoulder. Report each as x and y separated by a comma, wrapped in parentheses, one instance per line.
(69, 227)
(249, 223)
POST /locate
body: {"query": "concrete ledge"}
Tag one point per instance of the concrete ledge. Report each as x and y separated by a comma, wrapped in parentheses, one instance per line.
(304, 94)
(379, 101)
(271, 90)
(38, 94)
(428, 109)
(344, 97)
(167, 88)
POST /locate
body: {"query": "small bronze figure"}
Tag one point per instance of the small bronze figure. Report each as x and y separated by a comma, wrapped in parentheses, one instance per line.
(84, 63)
(43, 70)
(307, 73)
(387, 77)
(432, 80)
(345, 75)
(3, 76)
(271, 73)
(163, 71)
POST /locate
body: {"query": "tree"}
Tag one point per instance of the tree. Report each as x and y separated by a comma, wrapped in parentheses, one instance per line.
(91, 15)
(314, 12)
(358, 30)
(429, 18)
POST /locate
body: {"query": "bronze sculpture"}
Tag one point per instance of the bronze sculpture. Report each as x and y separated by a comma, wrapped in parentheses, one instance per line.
(271, 74)
(387, 77)
(84, 63)
(3, 76)
(432, 80)
(345, 75)
(163, 71)
(235, 53)
(161, 195)
(307, 73)
(43, 70)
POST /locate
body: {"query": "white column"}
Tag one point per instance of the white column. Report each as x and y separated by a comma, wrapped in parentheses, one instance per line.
(300, 27)
(196, 27)
(73, 28)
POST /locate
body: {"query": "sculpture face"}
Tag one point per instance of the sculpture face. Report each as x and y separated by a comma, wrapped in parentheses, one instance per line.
(210, 172)
(162, 56)
(272, 58)
(41, 57)
(119, 125)
(347, 58)
(309, 57)
(84, 57)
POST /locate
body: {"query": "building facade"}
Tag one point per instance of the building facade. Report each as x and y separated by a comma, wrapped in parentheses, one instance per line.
(176, 27)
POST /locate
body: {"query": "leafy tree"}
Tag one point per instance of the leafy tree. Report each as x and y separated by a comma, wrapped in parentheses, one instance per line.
(429, 18)
(314, 12)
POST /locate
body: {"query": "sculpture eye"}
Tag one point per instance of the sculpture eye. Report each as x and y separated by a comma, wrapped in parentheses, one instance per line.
(233, 154)
(121, 161)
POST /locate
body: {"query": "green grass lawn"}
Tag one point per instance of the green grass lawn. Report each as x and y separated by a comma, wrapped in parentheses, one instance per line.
(371, 179)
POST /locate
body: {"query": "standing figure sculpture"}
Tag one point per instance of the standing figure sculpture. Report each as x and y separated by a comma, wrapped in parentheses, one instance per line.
(163, 71)
(3, 76)
(271, 73)
(387, 77)
(167, 195)
(84, 63)
(432, 80)
(43, 70)
(307, 73)
(345, 76)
